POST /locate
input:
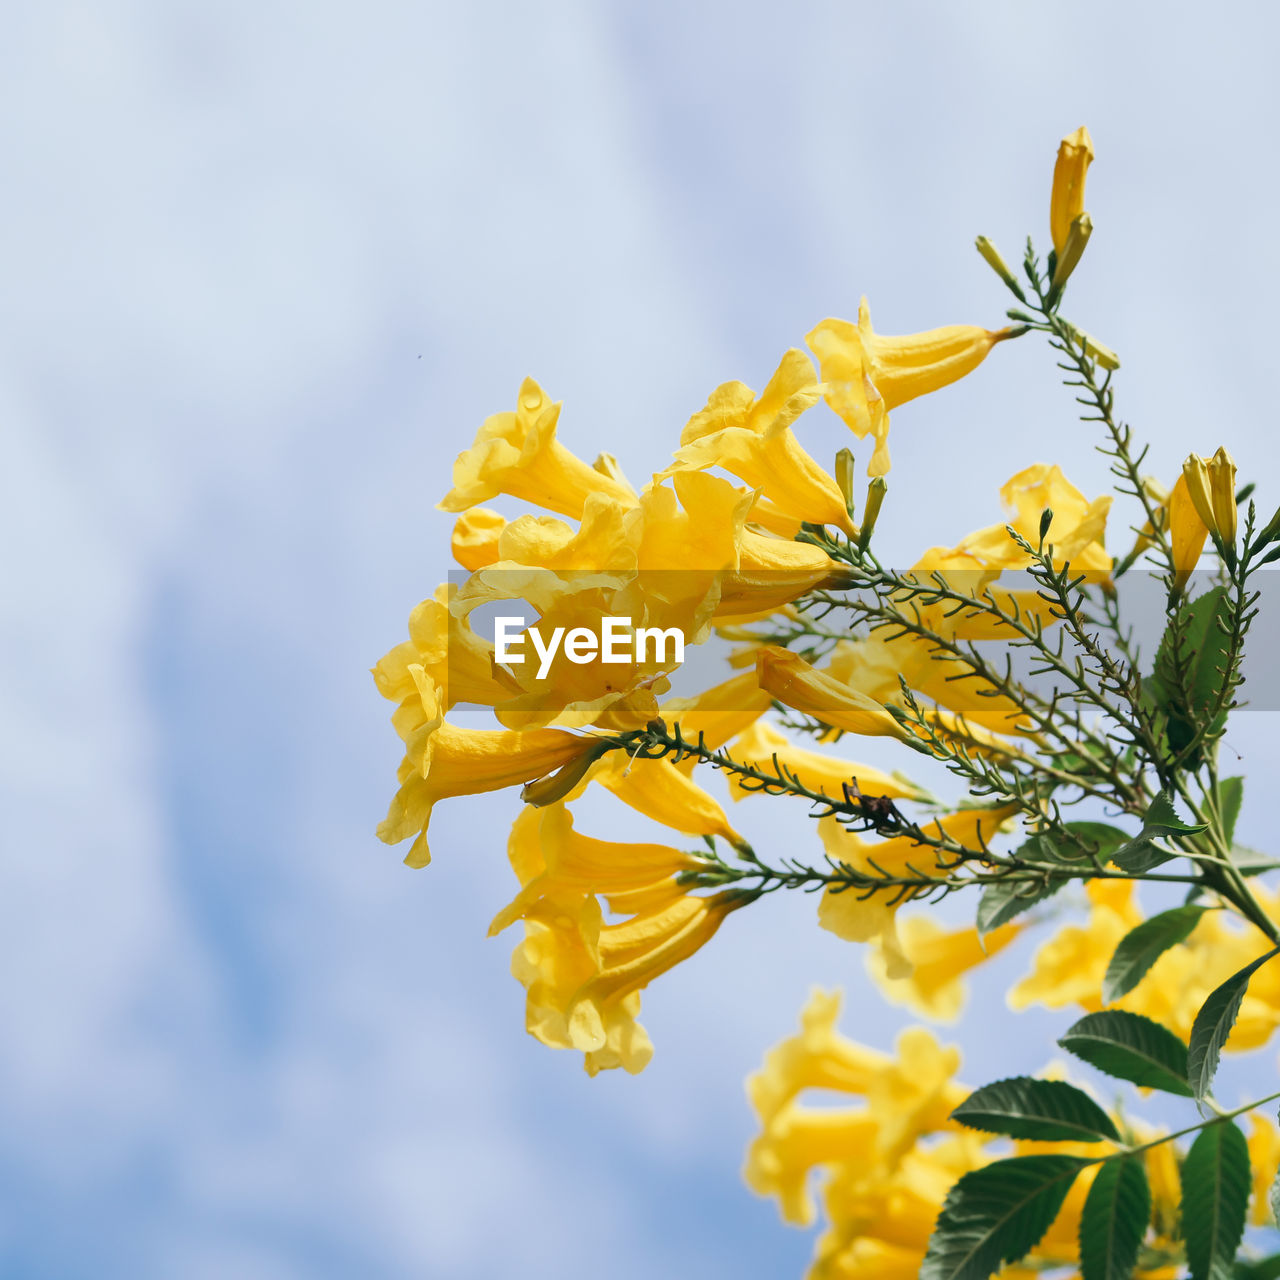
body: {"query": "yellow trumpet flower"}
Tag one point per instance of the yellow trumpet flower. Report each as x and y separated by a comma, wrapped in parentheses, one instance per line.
(762, 744)
(1211, 485)
(751, 438)
(790, 679)
(1066, 203)
(867, 374)
(517, 453)
(443, 760)
(1187, 533)
(475, 537)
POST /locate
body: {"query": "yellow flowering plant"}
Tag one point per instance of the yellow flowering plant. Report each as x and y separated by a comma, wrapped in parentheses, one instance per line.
(1007, 659)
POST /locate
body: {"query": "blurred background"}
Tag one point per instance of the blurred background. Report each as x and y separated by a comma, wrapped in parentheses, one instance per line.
(268, 266)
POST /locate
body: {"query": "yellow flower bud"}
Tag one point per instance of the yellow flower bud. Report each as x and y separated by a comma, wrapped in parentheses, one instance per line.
(1066, 204)
(991, 256)
(1211, 485)
(1073, 251)
(1187, 532)
(790, 679)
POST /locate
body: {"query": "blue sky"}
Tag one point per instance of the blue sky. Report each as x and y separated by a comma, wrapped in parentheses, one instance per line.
(269, 265)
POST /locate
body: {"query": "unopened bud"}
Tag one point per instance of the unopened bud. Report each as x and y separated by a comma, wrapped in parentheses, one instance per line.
(1072, 251)
(845, 478)
(875, 498)
(555, 786)
(991, 256)
(1211, 484)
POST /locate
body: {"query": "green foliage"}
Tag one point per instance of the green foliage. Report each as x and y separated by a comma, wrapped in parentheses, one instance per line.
(1116, 1212)
(1044, 1110)
(1182, 691)
(1213, 1025)
(1215, 1198)
(1077, 843)
(1142, 946)
(1130, 1047)
(1140, 854)
(1230, 797)
(996, 1214)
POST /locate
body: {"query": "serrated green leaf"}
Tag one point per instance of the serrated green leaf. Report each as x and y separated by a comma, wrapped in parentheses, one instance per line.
(1230, 798)
(1215, 1197)
(1213, 1025)
(1130, 1047)
(1140, 854)
(1142, 946)
(1188, 672)
(1002, 901)
(1114, 1220)
(1043, 1110)
(997, 1214)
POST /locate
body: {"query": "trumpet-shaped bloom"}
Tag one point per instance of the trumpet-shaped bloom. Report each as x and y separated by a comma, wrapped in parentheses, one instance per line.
(790, 679)
(762, 745)
(867, 374)
(584, 977)
(1211, 485)
(1187, 532)
(443, 760)
(517, 453)
(939, 959)
(475, 537)
(859, 916)
(1076, 533)
(751, 438)
(1066, 202)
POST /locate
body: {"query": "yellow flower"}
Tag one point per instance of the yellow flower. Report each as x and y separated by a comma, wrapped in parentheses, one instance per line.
(791, 680)
(1187, 533)
(454, 660)
(751, 438)
(1264, 1158)
(856, 916)
(443, 760)
(717, 714)
(584, 978)
(517, 453)
(1066, 203)
(818, 1058)
(939, 959)
(475, 537)
(867, 374)
(631, 877)
(762, 745)
(1069, 968)
(1076, 532)
(1211, 485)
(666, 793)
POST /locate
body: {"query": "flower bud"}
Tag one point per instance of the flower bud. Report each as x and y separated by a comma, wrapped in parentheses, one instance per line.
(1066, 203)
(555, 786)
(991, 255)
(875, 498)
(1071, 253)
(844, 478)
(1211, 484)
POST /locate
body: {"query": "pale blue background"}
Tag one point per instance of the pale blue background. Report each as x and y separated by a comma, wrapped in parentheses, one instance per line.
(267, 266)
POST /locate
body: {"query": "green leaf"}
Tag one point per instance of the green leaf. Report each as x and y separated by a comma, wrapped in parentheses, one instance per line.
(1262, 1269)
(1139, 855)
(1213, 1025)
(1188, 673)
(1141, 947)
(1215, 1196)
(1116, 1212)
(996, 1215)
(1002, 900)
(1230, 797)
(1131, 1047)
(1044, 1110)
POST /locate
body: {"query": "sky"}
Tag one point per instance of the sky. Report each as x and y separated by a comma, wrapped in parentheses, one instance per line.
(268, 267)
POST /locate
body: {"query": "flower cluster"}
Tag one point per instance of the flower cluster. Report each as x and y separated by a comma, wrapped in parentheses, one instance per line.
(1001, 658)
